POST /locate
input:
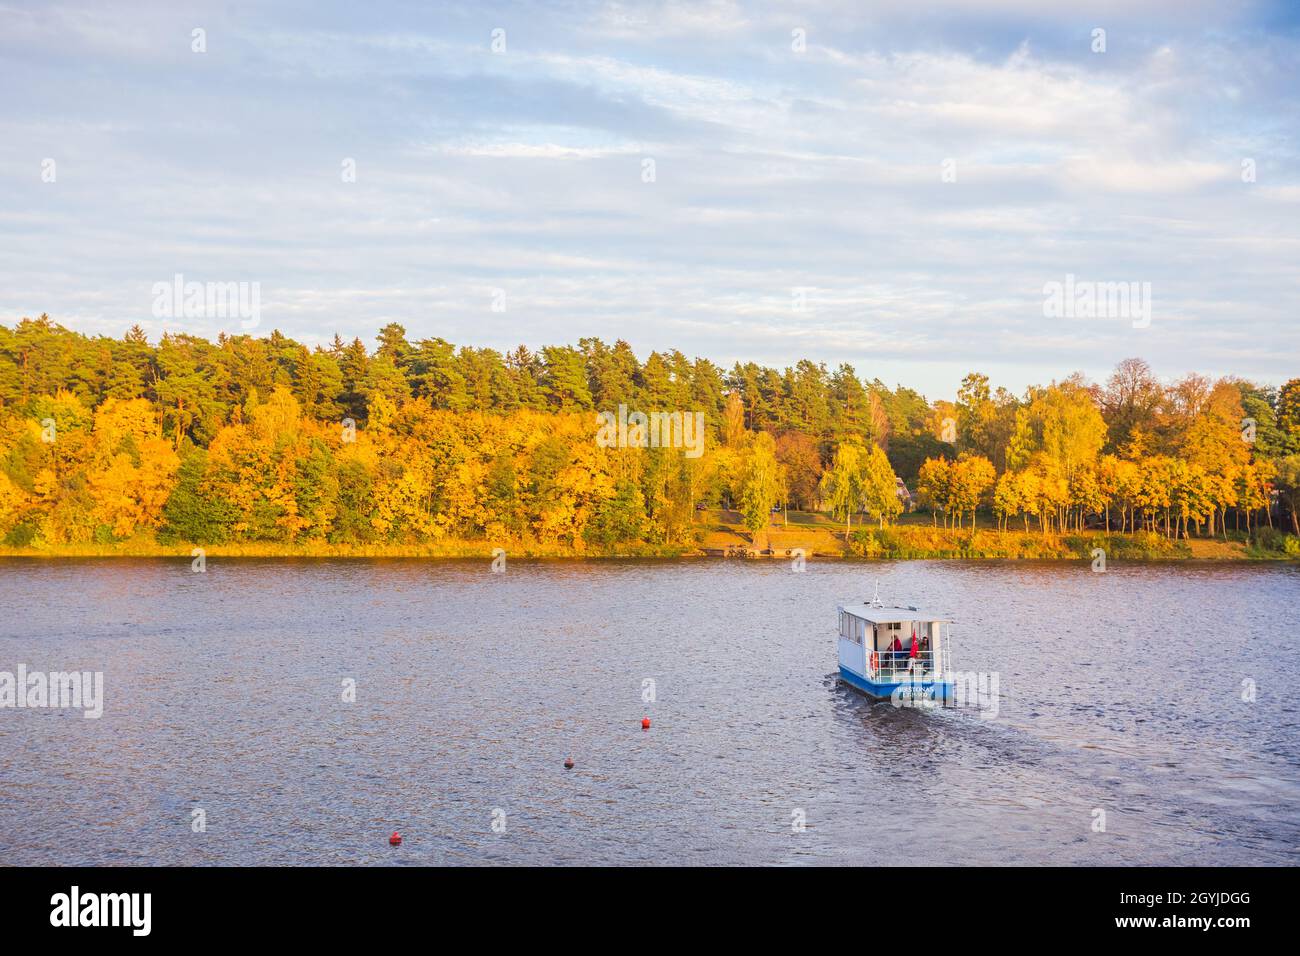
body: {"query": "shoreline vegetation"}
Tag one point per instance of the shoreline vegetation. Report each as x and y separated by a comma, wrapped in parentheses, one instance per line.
(260, 446)
(723, 535)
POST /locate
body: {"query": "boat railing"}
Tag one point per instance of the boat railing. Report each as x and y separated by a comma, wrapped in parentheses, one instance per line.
(898, 666)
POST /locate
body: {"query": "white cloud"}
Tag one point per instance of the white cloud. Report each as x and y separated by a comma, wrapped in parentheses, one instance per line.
(774, 169)
(669, 18)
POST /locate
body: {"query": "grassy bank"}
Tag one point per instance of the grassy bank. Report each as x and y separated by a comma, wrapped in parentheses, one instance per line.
(942, 543)
(721, 532)
(914, 536)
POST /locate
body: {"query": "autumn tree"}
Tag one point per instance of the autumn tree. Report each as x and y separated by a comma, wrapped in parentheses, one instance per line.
(969, 477)
(761, 484)
(879, 485)
(934, 487)
(1288, 483)
(841, 484)
(798, 455)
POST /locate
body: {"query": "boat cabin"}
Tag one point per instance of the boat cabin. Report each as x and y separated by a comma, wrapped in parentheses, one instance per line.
(882, 648)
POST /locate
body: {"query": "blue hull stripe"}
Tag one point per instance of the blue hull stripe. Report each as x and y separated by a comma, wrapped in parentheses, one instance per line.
(943, 690)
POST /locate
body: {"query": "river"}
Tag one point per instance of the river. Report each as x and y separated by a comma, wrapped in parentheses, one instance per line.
(1145, 715)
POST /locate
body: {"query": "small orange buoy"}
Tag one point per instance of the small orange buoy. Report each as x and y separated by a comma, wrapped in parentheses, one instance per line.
(645, 723)
(568, 763)
(395, 839)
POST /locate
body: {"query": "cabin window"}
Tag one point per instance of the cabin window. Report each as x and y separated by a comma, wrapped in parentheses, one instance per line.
(851, 628)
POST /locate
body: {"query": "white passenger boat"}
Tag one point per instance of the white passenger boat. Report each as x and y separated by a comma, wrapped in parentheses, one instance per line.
(895, 651)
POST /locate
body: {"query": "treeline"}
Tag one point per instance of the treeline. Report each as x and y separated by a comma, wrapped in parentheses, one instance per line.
(1131, 454)
(265, 439)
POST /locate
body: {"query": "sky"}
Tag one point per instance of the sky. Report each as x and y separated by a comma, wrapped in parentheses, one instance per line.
(893, 185)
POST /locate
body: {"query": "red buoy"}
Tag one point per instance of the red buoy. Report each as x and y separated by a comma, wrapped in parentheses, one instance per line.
(568, 763)
(395, 839)
(645, 723)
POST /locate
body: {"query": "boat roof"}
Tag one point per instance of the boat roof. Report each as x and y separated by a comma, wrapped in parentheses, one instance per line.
(889, 615)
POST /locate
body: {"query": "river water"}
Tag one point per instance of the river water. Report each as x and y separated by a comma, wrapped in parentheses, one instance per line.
(1126, 730)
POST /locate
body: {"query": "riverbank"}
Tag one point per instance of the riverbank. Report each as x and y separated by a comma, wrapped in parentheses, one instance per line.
(720, 534)
(484, 550)
(916, 537)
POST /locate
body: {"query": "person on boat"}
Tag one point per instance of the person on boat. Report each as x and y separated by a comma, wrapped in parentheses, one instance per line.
(896, 655)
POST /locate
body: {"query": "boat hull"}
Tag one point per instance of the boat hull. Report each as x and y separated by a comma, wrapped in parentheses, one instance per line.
(940, 691)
